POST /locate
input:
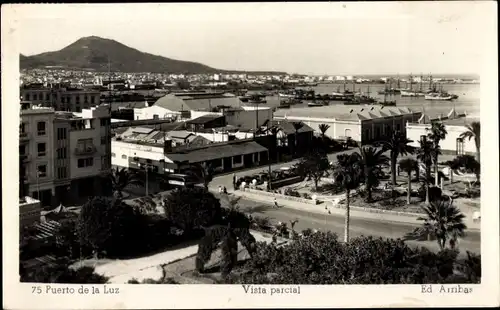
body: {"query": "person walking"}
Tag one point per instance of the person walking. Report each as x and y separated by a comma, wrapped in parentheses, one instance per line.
(234, 181)
(224, 190)
(275, 203)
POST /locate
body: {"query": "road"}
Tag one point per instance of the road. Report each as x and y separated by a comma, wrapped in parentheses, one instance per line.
(358, 226)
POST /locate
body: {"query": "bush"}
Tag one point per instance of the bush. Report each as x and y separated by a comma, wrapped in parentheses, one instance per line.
(60, 273)
(192, 208)
(111, 226)
(320, 258)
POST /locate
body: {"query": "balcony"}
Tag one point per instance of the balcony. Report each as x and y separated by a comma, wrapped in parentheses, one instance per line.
(24, 136)
(87, 150)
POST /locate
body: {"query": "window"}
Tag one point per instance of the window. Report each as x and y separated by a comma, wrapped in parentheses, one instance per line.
(92, 99)
(28, 97)
(35, 96)
(398, 127)
(47, 97)
(22, 127)
(237, 159)
(103, 140)
(156, 116)
(42, 171)
(149, 161)
(61, 133)
(347, 132)
(85, 162)
(77, 98)
(84, 144)
(61, 153)
(62, 173)
(41, 148)
(124, 156)
(113, 155)
(40, 126)
(85, 99)
(22, 149)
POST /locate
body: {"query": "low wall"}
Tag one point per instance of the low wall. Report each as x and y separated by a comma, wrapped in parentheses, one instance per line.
(341, 205)
(285, 182)
(281, 196)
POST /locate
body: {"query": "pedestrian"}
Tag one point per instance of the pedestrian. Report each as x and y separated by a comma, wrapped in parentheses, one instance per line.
(234, 179)
(276, 203)
(224, 190)
(220, 189)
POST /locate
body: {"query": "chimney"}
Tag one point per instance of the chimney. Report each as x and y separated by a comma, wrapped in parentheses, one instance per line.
(167, 146)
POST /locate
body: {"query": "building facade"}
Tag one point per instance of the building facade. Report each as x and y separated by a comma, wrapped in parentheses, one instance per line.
(64, 153)
(362, 124)
(61, 99)
(453, 144)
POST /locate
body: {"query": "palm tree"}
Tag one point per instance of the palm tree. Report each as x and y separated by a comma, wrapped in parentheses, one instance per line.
(120, 178)
(202, 173)
(323, 129)
(373, 160)
(437, 132)
(474, 131)
(445, 221)
(397, 145)
(347, 173)
(297, 126)
(425, 155)
(408, 165)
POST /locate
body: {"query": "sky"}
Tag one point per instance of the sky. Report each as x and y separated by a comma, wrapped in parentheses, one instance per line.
(307, 38)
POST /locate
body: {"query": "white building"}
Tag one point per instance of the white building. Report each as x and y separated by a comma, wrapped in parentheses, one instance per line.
(365, 123)
(64, 152)
(455, 125)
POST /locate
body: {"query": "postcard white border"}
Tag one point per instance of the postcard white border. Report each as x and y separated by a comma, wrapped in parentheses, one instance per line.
(19, 296)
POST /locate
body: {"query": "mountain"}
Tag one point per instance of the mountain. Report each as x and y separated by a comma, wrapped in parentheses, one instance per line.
(91, 53)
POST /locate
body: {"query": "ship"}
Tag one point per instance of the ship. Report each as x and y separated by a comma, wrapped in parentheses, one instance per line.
(411, 92)
(388, 103)
(360, 100)
(389, 90)
(438, 97)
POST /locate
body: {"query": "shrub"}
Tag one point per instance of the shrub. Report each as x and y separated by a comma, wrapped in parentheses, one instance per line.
(320, 258)
(110, 226)
(192, 208)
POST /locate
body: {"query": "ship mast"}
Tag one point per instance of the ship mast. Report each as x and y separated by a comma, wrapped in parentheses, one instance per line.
(421, 81)
(411, 82)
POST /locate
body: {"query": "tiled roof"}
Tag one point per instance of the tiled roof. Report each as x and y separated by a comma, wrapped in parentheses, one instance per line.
(216, 151)
(344, 112)
(287, 127)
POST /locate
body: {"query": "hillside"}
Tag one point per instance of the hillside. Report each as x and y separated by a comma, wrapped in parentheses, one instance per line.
(91, 53)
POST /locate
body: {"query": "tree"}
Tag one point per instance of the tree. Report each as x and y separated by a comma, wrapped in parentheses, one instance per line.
(120, 178)
(347, 173)
(408, 165)
(425, 155)
(437, 132)
(397, 145)
(297, 126)
(467, 162)
(474, 131)
(203, 173)
(445, 221)
(372, 161)
(323, 128)
(110, 226)
(234, 227)
(314, 165)
(192, 208)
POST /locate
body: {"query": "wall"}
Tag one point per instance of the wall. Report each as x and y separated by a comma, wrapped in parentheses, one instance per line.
(340, 128)
(29, 211)
(149, 112)
(247, 119)
(214, 137)
(196, 114)
(31, 118)
(414, 131)
(74, 136)
(121, 151)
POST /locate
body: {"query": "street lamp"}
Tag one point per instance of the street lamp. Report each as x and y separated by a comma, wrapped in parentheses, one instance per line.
(147, 167)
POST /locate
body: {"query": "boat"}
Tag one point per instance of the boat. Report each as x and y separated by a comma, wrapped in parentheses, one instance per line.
(389, 90)
(438, 97)
(388, 103)
(442, 93)
(281, 95)
(411, 93)
(360, 100)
